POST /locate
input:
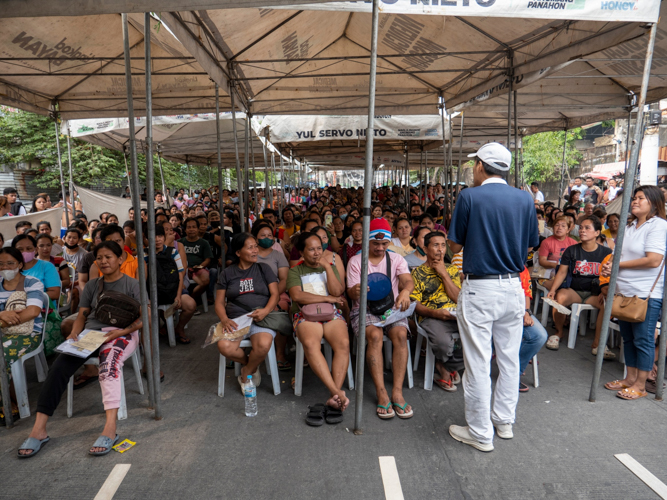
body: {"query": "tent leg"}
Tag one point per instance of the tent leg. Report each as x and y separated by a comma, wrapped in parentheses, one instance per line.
(366, 223)
(517, 165)
(458, 171)
(150, 206)
(164, 187)
(62, 177)
(563, 168)
(246, 170)
(238, 161)
(71, 182)
(254, 172)
(281, 187)
(625, 207)
(136, 201)
(407, 177)
(217, 142)
(4, 386)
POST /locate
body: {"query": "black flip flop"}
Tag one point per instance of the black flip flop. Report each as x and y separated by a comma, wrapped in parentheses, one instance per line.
(316, 415)
(333, 415)
(183, 340)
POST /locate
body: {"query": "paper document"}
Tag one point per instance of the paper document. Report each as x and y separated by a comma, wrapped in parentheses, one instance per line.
(397, 315)
(87, 342)
(315, 284)
(216, 334)
(561, 309)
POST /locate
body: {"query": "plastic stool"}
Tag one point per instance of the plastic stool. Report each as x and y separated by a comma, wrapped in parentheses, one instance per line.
(328, 354)
(575, 322)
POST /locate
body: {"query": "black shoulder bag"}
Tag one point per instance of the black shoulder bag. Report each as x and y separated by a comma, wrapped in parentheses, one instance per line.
(115, 308)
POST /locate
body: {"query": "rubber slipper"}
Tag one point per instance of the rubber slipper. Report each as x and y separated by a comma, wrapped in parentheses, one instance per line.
(523, 387)
(86, 380)
(390, 412)
(615, 385)
(183, 340)
(630, 394)
(33, 444)
(315, 417)
(333, 415)
(284, 366)
(403, 415)
(103, 442)
(456, 378)
(652, 386)
(445, 385)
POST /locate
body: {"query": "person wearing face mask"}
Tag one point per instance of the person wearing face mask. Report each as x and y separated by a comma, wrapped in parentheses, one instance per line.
(43, 271)
(418, 257)
(11, 280)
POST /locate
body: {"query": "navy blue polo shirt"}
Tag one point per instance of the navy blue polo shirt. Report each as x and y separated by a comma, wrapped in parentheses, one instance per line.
(496, 224)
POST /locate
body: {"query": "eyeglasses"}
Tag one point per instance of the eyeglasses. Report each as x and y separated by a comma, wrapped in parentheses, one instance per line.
(10, 265)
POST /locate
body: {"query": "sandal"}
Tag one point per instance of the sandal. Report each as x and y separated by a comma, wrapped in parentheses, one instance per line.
(553, 343)
(103, 442)
(456, 378)
(333, 415)
(183, 340)
(83, 380)
(616, 385)
(404, 415)
(315, 417)
(630, 394)
(445, 385)
(390, 413)
(284, 366)
(652, 386)
(33, 444)
(523, 387)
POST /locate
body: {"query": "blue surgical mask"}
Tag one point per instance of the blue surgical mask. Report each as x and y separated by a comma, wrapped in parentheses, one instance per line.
(343, 216)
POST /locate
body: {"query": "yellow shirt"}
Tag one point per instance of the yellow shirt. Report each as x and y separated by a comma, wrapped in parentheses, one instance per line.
(430, 289)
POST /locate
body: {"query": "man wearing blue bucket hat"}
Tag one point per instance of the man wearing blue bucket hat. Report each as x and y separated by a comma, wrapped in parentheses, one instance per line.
(389, 286)
(496, 227)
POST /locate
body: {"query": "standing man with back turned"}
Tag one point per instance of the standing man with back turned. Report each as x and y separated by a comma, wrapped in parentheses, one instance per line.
(495, 224)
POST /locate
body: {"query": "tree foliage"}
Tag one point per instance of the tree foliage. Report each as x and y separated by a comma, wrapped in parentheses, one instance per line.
(27, 137)
(543, 154)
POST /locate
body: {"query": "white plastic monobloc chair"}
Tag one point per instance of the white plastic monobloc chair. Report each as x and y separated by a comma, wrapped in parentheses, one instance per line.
(328, 354)
(122, 411)
(271, 369)
(578, 311)
(18, 368)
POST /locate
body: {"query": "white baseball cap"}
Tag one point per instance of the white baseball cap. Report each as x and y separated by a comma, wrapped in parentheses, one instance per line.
(494, 153)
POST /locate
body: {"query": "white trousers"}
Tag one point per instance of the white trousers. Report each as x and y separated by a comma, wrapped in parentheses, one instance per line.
(490, 311)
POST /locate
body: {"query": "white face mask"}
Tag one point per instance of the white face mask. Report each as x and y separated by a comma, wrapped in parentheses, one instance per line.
(9, 274)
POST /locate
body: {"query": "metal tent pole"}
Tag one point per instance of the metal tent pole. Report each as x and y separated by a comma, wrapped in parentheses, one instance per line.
(268, 195)
(187, 167)
(458, 171)
(443, 109)
(661, 347)
(510, 76)
(217, 143)
(361, 349)
(71, 180)
(150, 207)
(62, 177)
(246, 169)
(136, 202)
(254, 172)
(159, 162)
(563, 168)
(407, 177)
(450, 166)
(4, 386)
(517, 164)
(421, 180)
(282, 180)
(238, 161)
(625, 207)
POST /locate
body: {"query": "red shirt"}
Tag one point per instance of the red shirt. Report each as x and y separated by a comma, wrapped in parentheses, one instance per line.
(553, 249)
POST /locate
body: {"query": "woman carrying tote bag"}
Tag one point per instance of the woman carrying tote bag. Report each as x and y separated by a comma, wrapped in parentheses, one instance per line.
(641, 275)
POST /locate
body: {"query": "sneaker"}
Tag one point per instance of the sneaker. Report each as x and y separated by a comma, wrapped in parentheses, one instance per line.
(462, 434)
(504, 431)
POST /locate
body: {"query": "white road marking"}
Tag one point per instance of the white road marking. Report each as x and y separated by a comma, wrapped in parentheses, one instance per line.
(643, 473)
(390, 479)
(110, 486)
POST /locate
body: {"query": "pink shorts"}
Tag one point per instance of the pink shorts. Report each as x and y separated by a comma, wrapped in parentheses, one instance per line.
(199, 272)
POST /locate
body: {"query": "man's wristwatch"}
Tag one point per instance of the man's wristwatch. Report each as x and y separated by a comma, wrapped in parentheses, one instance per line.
(528, 311)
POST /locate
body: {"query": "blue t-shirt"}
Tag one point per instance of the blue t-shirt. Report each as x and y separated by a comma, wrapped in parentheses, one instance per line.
(44, 272)
(496, 224)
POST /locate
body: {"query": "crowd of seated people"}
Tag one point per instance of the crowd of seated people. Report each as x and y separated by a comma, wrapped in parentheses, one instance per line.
(307, 254)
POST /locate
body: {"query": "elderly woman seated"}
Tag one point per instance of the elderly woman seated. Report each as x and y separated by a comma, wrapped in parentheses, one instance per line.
(317, 280)
(118, 346)
(17, 341)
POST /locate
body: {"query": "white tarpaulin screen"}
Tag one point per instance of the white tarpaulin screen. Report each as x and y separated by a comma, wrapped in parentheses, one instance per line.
(53, 216)
(295, 128)
(598, 10)
(95, 204)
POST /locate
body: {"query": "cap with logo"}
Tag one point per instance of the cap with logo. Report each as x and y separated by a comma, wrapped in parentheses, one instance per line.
(494, 154)
(380, 229)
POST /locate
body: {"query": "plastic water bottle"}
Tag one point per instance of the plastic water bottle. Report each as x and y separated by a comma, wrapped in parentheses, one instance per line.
(250, 393)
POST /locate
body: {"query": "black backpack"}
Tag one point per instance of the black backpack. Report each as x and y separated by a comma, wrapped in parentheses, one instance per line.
(167, 277)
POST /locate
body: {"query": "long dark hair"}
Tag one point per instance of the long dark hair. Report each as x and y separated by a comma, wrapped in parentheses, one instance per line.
(655, 198)
(238, 242)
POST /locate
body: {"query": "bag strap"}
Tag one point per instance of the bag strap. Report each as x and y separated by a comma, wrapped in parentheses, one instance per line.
(386, 254)
(658, 277)
(100, 289)
(20, 286)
